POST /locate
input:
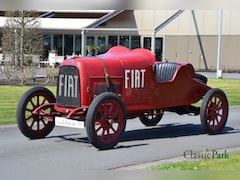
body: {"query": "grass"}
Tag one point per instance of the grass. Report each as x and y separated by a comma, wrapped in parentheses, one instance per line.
(10, 95)
(230, 87)
(231, 163)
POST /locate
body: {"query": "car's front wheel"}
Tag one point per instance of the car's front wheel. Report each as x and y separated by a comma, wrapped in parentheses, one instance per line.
(32, 125)
(105, 120)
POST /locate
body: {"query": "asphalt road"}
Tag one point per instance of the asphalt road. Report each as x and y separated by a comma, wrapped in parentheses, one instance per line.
(68, 149)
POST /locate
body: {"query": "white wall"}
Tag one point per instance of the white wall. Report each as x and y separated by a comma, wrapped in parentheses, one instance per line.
(207, 20)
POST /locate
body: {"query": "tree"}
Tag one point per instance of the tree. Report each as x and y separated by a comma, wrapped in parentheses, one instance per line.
(22, 42)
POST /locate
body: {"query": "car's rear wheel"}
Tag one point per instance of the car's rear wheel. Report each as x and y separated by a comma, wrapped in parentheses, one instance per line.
(151, 118)
(214, 111)
(105, 120)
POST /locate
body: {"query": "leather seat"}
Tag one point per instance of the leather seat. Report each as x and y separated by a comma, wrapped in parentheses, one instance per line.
(164, 72)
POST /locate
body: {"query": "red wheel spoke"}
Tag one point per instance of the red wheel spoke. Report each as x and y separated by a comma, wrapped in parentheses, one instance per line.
(104, 117)
(38, 100)
(113, 129)
(44, 123)
(103, 132)
(111, 106)
(44, 100)
(115, 113)
(116, 120)
(33, 122)
(208, 114)
(219, 104)
(213, 122)
(103, 113)
(29, 117)
(31, 101)
(105, 107)
(215, 100)
(220, 115)
(219, 108)
(209, 104)
(99, 128)
(108, 134)
(38, 125)
(30, 110)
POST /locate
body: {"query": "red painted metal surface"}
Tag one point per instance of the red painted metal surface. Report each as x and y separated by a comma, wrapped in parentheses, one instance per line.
(130, 74)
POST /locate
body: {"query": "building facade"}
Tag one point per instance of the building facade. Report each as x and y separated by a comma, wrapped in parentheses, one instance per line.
(190, 36)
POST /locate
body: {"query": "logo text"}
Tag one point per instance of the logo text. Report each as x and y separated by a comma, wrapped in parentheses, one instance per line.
(67, 86)
(134, 78)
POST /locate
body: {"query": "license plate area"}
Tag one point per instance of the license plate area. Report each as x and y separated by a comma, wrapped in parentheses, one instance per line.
(64, 122)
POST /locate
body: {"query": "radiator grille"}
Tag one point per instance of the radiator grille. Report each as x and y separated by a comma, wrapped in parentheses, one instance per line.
(68, 88)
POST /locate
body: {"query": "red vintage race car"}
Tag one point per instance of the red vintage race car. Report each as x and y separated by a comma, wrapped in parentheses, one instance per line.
(102, 92)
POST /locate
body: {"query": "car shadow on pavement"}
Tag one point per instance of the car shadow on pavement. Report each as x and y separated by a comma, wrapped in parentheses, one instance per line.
(168, 131)
(149, 133)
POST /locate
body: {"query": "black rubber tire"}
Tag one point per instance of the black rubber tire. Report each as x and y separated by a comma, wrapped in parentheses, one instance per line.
(214, 111)
(105, 108)
(201, 78)
(27, 105)
(149, 119)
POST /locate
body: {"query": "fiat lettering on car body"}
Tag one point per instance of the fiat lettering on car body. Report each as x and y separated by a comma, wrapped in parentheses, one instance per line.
(134, 78)
(68, 85)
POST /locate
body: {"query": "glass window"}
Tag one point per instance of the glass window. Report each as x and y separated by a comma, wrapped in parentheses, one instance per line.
(112, 41)
(147, 43)
(158, 48)
(57, 43)
(46, 44)
(78, 44)
(135, 42)
(90, 40)
(68, 45)
(102, 44)
(124, 41)
(0, 39)
(90, 46)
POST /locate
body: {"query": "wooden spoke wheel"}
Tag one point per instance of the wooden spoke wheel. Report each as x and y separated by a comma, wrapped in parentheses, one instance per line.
(105, 120)
(151, 118)
(32, 125)
(214, 111)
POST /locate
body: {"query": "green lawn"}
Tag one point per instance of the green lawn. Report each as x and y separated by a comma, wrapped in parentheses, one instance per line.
(231, 163)
(230, 87)
(9, 96)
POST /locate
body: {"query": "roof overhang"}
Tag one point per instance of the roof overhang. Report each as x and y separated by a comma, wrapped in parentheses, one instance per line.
(65, 24)
(105, 18)
(72, 24)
